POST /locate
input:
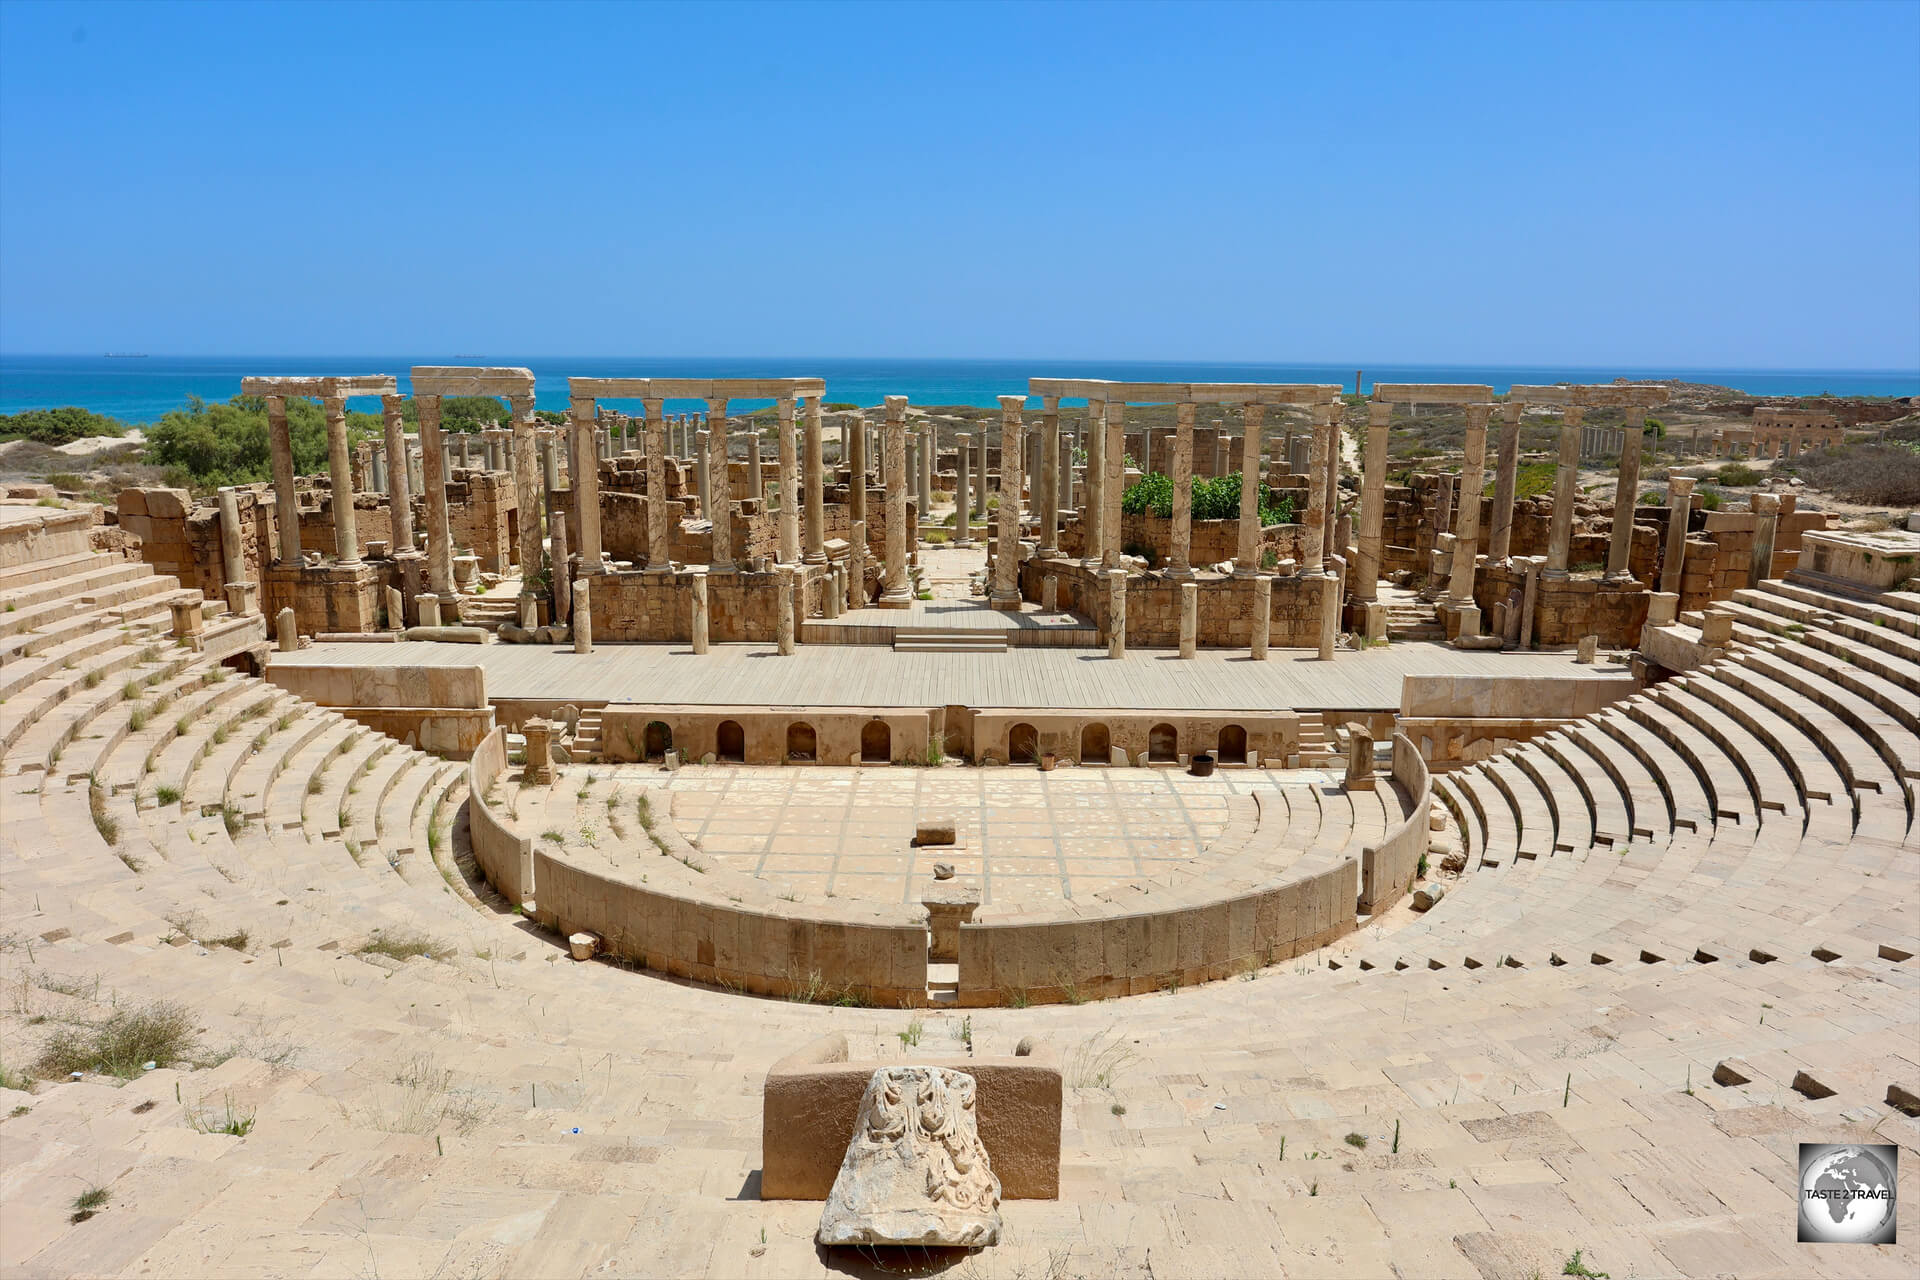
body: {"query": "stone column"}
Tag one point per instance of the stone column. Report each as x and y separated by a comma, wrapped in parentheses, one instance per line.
(433, 451)
(980, 489)
(1116, 613)
(1113, 483)
(286, 501)
(1048, 499)
(377, 470)
(1505, 478)
(699, 622)
(286, 632)
(399, 487)
(561, 573)
(528, 489)
(1246, 559)
(719, 487)
(586, 494)
(702, 474)
(756, 475)
(1335, 543)
(1262, 616)
(787, 576)
(1679, 507)
(816, 480)
(928, 434)
(1092, 511)
(857, 466)
(1063, 495)
(1365, 580)
(1766, 511)
(1313, 541)
(897, 592)
(659, 530)
(1626, 492)
(857, 556)
(233, 562)
(1466, 524)
(583, 598)
(1189, 619)
(1180, 562)
(1565, 481)
(1329, 615)
(1005, 595)
(962, 500)
(789, 487)
(346, 530)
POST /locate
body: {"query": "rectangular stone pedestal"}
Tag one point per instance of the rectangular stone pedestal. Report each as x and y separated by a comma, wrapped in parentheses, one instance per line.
(330, 597)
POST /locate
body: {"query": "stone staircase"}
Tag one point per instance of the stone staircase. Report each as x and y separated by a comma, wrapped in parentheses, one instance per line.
(950, 642)
(1316, 748)
(1413, 620)
(586, 737)
(490, 610)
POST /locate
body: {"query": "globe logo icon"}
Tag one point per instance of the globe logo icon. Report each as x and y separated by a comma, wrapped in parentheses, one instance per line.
(1847, 1193)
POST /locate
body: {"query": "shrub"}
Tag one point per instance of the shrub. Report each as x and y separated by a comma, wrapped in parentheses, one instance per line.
(399, 944)
(162, 1032)
(1873, 473)
(1215, 499)
(58, 427)
(1737, 473)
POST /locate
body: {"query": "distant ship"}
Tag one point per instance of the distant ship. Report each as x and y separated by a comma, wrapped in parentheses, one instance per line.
(126, 355)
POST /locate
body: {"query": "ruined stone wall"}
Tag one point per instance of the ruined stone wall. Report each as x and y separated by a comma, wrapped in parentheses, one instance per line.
(1153, 606)
(1566, 611)
(743, 607)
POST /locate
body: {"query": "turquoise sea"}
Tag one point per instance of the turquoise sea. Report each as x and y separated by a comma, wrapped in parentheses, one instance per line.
(141, 389)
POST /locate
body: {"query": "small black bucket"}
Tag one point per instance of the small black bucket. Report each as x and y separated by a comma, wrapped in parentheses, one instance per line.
(1201, 766)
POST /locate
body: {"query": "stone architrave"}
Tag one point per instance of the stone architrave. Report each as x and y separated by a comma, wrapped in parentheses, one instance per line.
(1005, 595)
(962, 511)
(916, 1172)
(1466, 525)
(1566, 478)
(399, 481)
(1180, 562)
(1246, 560)
(659, 531)
(1112, 483)
(719, 487)
(700, 621)
(1314, 525)
(346, 530)
(789, 486)
(898, 592)
(583, 615)
(815, 487)
(285, 499)
(1505, 479)
(1373, 504)
(1262, 616)
(1092, 532)
(1626, 492)
(1116, 613)
(1679, 508)
(1189, 619)
(585, 479)
(1048, 499)
(286, 632)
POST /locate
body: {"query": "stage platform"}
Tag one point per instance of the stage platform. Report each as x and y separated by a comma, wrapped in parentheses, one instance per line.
(872, 676)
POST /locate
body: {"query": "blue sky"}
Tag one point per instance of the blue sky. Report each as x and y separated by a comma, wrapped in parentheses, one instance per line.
(1721, 185)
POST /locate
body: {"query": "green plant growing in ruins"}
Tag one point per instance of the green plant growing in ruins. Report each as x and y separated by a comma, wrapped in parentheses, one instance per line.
(89, 1202)
(401, 944)
(1358, 1141)
(911, 1036)
(1575, 1267)
(231, 1119)
(162, 1032)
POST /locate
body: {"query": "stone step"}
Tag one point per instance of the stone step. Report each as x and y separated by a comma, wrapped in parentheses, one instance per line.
(949, 642)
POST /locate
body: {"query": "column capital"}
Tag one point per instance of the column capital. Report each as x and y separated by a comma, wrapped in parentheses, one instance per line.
(392, 404)
(1574, 415)
(582, 409)
(1184, 413)
(1512, 410)
(1255, 414)
(1050, 404)
(1477, 414)
(1679, 487)
(784, 406)
(334, 406)
(717, 407)
(1379, 413)
(521, 408)
(1012, 403)
(896, 408)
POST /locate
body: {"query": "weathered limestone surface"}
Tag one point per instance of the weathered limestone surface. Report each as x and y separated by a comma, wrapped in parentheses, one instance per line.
(916, 1172)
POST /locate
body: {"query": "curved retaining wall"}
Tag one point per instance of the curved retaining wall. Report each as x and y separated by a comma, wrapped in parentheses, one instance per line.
(504, 858)
(1112, 952)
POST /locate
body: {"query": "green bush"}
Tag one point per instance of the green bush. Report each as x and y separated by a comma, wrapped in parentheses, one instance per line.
(1737, 473)
(58, 426)
(1215, 499)
(1710, 499)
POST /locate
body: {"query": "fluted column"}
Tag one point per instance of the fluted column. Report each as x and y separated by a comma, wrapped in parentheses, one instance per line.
(585, 465)
(399, 487)
(1364, 582)
(1505, 479)
(527, 487)
(1626, 492)
(1113, 483)
(659, 529)
(898, 593)
(962, 500)
(1313, 542)
(433, 453)
(346, 530)
(1246, 559)
(1048, 498)
(719, 487)
(1466, 524)
(816, 482)
(1679, 506)
(789, 487)
(1006, 556)
(1092, 513)
(1180, 562)
(1565, 480)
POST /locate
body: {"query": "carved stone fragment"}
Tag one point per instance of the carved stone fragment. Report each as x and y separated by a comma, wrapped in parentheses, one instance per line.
(915, 1172)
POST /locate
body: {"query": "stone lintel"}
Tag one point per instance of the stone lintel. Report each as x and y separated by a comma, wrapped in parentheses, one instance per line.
(457, 380)
(1591, 395)
(1431, 393)
(696, 388)
(370, 384)
(1187, 392)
